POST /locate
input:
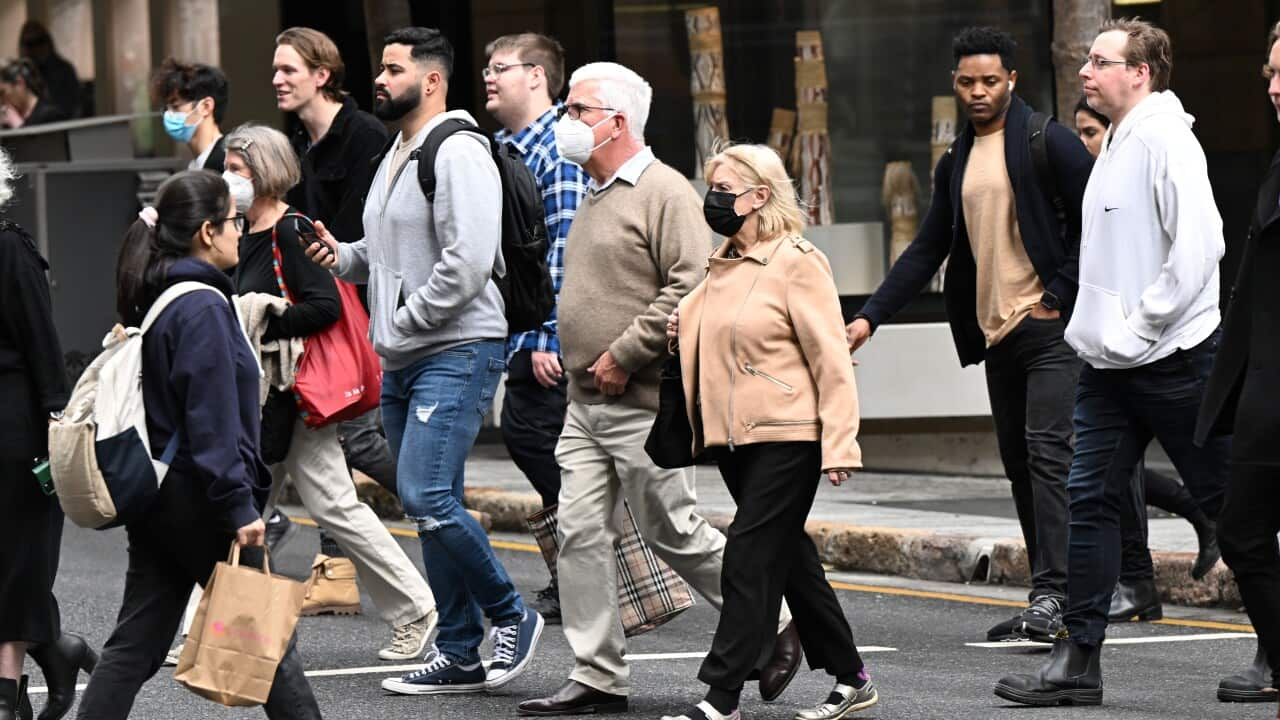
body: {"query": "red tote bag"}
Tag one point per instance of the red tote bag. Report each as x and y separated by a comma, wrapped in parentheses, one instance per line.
(339, 376)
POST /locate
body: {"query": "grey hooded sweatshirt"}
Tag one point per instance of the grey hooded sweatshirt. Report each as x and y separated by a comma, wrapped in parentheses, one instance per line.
(430, 266)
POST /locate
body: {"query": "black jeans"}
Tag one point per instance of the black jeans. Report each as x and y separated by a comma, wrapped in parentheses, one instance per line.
(165, 562)
(768, 555)
(1158, 490)
(532, 418)
(1031, 375)
(1117, 414)
(1247, 530)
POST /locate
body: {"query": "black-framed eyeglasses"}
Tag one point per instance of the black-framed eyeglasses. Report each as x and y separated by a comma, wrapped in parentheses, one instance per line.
(575, 110)
(499, 68)
(1100, 63)
(239, 218)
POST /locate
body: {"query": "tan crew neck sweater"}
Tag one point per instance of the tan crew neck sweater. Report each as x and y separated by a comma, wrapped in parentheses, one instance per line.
(1008, 286)
(632, 253)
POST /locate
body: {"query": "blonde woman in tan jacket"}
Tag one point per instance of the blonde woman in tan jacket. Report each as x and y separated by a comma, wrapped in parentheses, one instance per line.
(770, 394)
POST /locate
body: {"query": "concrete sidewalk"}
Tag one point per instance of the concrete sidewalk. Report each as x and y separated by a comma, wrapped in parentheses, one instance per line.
(953, 529)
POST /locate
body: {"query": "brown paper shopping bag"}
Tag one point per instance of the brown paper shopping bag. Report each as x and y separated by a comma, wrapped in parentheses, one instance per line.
(240, 632)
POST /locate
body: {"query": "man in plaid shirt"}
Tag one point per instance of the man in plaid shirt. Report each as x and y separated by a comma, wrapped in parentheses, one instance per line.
(525, 72)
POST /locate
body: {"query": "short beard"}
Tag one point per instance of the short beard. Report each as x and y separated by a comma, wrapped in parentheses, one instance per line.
(395, 108)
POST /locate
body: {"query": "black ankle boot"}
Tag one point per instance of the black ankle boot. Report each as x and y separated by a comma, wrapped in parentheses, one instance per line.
(1207, 536)
(1252, 685)
(1137, 601)
(14, 704)
(1072, 676)
(61, 662)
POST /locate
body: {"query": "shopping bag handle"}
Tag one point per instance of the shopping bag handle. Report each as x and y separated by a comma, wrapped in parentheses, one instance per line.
(234, 557)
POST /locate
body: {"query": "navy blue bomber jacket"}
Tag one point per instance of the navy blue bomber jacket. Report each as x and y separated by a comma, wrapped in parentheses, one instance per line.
(200, 376)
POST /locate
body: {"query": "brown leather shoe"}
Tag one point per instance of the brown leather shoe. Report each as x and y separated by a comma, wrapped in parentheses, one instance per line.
(783, 664)
(332, 589)
(574, 698)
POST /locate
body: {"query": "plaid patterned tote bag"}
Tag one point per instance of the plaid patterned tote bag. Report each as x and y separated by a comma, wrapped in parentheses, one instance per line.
(650, 593)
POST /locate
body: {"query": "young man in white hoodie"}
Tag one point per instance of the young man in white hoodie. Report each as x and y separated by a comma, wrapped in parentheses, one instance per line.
(1146, 323)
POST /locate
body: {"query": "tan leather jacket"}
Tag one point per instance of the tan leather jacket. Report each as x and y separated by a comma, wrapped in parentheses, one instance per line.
(764, 355)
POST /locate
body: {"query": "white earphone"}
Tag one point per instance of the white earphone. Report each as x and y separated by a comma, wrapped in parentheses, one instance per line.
(1010, 84)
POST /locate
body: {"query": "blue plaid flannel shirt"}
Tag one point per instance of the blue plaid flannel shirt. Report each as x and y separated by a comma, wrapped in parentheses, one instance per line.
(563, 184)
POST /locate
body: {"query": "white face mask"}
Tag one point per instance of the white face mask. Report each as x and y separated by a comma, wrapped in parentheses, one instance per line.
(575, 140)
(241, 190)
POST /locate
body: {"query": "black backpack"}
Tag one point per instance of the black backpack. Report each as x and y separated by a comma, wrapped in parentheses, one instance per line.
(1038, 143)
(526, 289)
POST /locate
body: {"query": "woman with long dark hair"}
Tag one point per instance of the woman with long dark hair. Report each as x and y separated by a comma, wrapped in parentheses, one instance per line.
(200, 382)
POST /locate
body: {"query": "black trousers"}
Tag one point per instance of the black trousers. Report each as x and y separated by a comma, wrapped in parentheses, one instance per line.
(1247, 528)
(1031, 380)
(769, 555)
(1159, 490)
(532, 418)
(165, 561)
(365, 446)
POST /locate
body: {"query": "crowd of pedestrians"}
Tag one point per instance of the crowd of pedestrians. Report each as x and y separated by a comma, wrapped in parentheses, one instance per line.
(1082, 271)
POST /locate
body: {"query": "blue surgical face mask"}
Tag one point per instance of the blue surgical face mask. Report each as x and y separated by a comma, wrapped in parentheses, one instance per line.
(175, 124)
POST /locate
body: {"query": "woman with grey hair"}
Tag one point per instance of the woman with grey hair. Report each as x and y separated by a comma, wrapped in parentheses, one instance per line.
(260, 168)
(33, 382)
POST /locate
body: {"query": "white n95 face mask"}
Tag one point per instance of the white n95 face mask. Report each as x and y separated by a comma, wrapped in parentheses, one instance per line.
(241, 190)
(575, 140)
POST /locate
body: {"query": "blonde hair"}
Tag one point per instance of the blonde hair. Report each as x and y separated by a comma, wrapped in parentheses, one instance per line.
(759, 165)
(269, 156)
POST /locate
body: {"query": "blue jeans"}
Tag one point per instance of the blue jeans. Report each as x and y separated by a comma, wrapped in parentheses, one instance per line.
(431, 411)
(1117, 414)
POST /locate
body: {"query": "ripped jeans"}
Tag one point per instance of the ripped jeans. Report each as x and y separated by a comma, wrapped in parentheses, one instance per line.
(431, 411)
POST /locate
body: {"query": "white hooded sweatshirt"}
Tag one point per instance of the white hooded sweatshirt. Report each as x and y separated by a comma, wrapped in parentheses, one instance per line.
(1151, 240)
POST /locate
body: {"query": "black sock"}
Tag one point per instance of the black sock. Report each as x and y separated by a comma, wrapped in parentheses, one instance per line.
(855, 679)
(724, 701)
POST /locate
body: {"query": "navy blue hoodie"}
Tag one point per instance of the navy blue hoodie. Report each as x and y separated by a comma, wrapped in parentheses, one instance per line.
(199, 375)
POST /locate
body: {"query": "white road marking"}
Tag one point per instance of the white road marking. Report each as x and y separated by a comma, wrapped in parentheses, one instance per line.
(394, 669)
(1128, 641)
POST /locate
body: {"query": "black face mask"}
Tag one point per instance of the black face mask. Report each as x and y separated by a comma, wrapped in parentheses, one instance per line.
(717, 208)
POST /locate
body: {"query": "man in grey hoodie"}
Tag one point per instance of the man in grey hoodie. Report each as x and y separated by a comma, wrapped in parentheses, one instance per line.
(438, 322)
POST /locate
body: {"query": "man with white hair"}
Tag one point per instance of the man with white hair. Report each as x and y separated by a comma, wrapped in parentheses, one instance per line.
(637, 245)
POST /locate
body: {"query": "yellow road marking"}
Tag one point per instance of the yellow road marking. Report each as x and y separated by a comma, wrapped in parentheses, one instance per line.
(862, 588)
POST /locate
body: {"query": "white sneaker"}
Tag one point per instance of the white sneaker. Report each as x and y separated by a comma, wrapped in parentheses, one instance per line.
(409, 641)
(171, 660)
(709, 712)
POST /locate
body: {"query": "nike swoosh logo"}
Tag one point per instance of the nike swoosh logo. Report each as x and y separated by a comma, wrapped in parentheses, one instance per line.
(1107, 209)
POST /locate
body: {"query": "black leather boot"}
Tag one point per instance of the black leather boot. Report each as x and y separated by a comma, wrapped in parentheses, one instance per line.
(61, 662)
(1207, 536)
(14, 704)
(1135, 602)
(1072, 676)
(1252, 685)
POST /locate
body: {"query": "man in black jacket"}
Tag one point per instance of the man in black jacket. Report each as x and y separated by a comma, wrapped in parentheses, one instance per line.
(1239, 399)
(1010, 282)
(337, 143)
(198, 94)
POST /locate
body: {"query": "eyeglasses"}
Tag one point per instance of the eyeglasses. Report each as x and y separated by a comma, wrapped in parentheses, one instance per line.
(239, 219)
(575, 110)
(499, 68)
(1100, 63)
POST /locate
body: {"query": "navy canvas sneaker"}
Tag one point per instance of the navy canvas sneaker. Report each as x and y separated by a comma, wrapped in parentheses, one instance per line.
(440, 676)
(513, 648)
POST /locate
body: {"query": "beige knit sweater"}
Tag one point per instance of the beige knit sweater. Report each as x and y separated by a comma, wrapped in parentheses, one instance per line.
(632, 253)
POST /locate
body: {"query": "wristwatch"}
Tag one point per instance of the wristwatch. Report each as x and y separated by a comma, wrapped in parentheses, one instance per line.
(55, 416)
(1050, 301)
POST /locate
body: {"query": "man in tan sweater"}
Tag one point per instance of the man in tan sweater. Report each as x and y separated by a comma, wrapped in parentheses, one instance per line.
(638, 244)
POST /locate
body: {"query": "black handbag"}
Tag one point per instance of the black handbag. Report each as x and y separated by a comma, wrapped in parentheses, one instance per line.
(278, 416)
(670, 441)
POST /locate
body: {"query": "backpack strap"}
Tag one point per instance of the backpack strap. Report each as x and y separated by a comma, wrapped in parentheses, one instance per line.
(173, 292)
(1038, 144)
(430, 148)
